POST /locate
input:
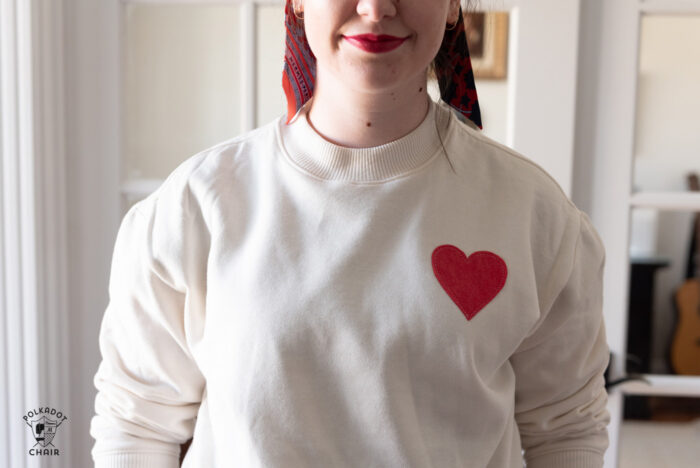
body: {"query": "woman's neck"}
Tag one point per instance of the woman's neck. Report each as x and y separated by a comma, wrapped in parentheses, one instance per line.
(355, 119)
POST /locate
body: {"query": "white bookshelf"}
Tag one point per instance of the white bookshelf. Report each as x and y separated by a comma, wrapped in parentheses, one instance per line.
(669, 201)
(663, 385)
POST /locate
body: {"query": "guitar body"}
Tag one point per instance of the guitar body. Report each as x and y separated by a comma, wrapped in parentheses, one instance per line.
(685, 349)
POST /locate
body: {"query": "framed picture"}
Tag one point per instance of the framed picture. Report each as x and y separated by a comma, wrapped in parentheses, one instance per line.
(487, 37)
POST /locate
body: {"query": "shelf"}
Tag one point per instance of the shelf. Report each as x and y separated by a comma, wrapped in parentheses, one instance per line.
(664, 385)
(139, 188)
(669, 6)
(672, 201)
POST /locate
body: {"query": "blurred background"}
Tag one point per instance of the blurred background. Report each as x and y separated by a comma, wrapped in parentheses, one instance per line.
(101, 100)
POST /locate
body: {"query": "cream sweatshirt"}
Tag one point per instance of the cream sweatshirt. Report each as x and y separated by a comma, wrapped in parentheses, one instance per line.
(288, 303)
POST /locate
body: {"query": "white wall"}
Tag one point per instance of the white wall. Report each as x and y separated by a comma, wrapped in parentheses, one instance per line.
(92, 181)
(271, 36)
(171, 116)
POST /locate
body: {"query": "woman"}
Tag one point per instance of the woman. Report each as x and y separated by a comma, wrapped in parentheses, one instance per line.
(367, 281)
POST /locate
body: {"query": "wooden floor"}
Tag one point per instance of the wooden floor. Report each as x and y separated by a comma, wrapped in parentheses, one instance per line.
(669, 439)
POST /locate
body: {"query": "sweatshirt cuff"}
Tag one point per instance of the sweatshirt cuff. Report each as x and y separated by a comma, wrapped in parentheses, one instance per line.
(137, 460)
(567, 459)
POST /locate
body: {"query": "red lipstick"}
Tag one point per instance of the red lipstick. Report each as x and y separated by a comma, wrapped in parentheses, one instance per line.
(375, 43)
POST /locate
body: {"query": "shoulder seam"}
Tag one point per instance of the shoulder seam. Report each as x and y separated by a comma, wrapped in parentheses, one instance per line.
(206, 153)
(517, 155)
(242, 137)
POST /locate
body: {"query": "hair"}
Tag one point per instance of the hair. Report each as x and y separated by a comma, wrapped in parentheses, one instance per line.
(440, 58)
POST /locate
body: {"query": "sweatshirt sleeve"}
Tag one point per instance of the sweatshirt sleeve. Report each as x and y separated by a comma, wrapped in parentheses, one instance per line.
(560, 396)
(149, 387)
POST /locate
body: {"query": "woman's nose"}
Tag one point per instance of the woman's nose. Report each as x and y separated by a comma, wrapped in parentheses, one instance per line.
(375, 10)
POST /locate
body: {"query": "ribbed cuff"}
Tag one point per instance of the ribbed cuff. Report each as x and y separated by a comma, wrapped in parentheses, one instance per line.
(567, 459)
(137, 460)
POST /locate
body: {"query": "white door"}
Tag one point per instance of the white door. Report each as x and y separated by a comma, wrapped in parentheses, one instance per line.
(151, 82)
(646, 127)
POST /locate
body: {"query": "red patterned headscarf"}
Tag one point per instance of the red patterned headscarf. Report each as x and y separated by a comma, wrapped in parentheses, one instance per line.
(453, 69)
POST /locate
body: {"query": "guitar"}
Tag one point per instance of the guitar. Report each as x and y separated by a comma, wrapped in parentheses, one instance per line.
(685, 348)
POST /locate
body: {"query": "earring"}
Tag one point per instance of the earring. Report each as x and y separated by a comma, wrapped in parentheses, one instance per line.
(295, 13)
(453, 26)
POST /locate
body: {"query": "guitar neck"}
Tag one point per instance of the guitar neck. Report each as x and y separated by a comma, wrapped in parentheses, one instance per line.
(696, 254)
(694, 185)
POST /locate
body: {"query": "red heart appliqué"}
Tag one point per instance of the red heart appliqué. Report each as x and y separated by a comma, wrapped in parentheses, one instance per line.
(471, 282)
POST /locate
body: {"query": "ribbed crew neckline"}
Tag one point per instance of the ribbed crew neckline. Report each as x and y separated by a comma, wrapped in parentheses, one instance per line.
(308, 150)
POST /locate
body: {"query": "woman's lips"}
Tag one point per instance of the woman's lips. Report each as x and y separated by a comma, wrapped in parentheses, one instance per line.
(373, 43)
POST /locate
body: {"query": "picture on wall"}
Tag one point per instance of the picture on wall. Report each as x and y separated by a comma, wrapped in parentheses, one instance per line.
(487, 37)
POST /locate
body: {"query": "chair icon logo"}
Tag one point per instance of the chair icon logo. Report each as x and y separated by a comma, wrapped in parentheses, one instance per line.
(44, 429)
